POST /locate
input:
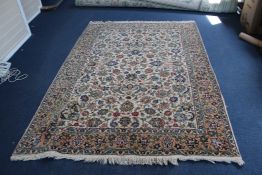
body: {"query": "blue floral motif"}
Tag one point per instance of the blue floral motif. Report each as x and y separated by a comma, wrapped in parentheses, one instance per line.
(112, 63)
(156, 63)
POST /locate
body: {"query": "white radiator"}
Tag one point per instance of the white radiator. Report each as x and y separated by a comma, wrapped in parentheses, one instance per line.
(31, 8)
(14, 29)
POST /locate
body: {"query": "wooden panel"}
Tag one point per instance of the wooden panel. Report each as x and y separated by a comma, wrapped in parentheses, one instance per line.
(251, 17)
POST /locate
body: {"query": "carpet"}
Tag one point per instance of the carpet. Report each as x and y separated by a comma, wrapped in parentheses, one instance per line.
(221, 6)
(133, 93)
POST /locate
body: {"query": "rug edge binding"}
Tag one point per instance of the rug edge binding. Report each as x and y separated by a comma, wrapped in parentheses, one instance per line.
(128, 159)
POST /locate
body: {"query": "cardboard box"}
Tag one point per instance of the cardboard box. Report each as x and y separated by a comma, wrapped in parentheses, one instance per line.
(251, 16)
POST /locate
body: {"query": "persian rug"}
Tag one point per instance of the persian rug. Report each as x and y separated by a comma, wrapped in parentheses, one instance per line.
(133, 93)
(218, 6)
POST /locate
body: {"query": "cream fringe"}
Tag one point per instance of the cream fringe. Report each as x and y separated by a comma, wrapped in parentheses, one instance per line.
(127, 159)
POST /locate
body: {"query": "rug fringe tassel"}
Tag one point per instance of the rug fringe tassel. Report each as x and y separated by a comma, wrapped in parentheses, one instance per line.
(128, 159)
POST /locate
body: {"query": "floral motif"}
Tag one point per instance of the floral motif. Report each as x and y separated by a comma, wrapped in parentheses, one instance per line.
(127, 106)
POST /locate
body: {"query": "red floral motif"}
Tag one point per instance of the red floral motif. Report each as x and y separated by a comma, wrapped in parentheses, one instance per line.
(135, 114)
(168, 113)
(116, 114)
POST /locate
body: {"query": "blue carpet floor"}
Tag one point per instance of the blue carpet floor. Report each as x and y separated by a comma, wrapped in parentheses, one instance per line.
(238, 67)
